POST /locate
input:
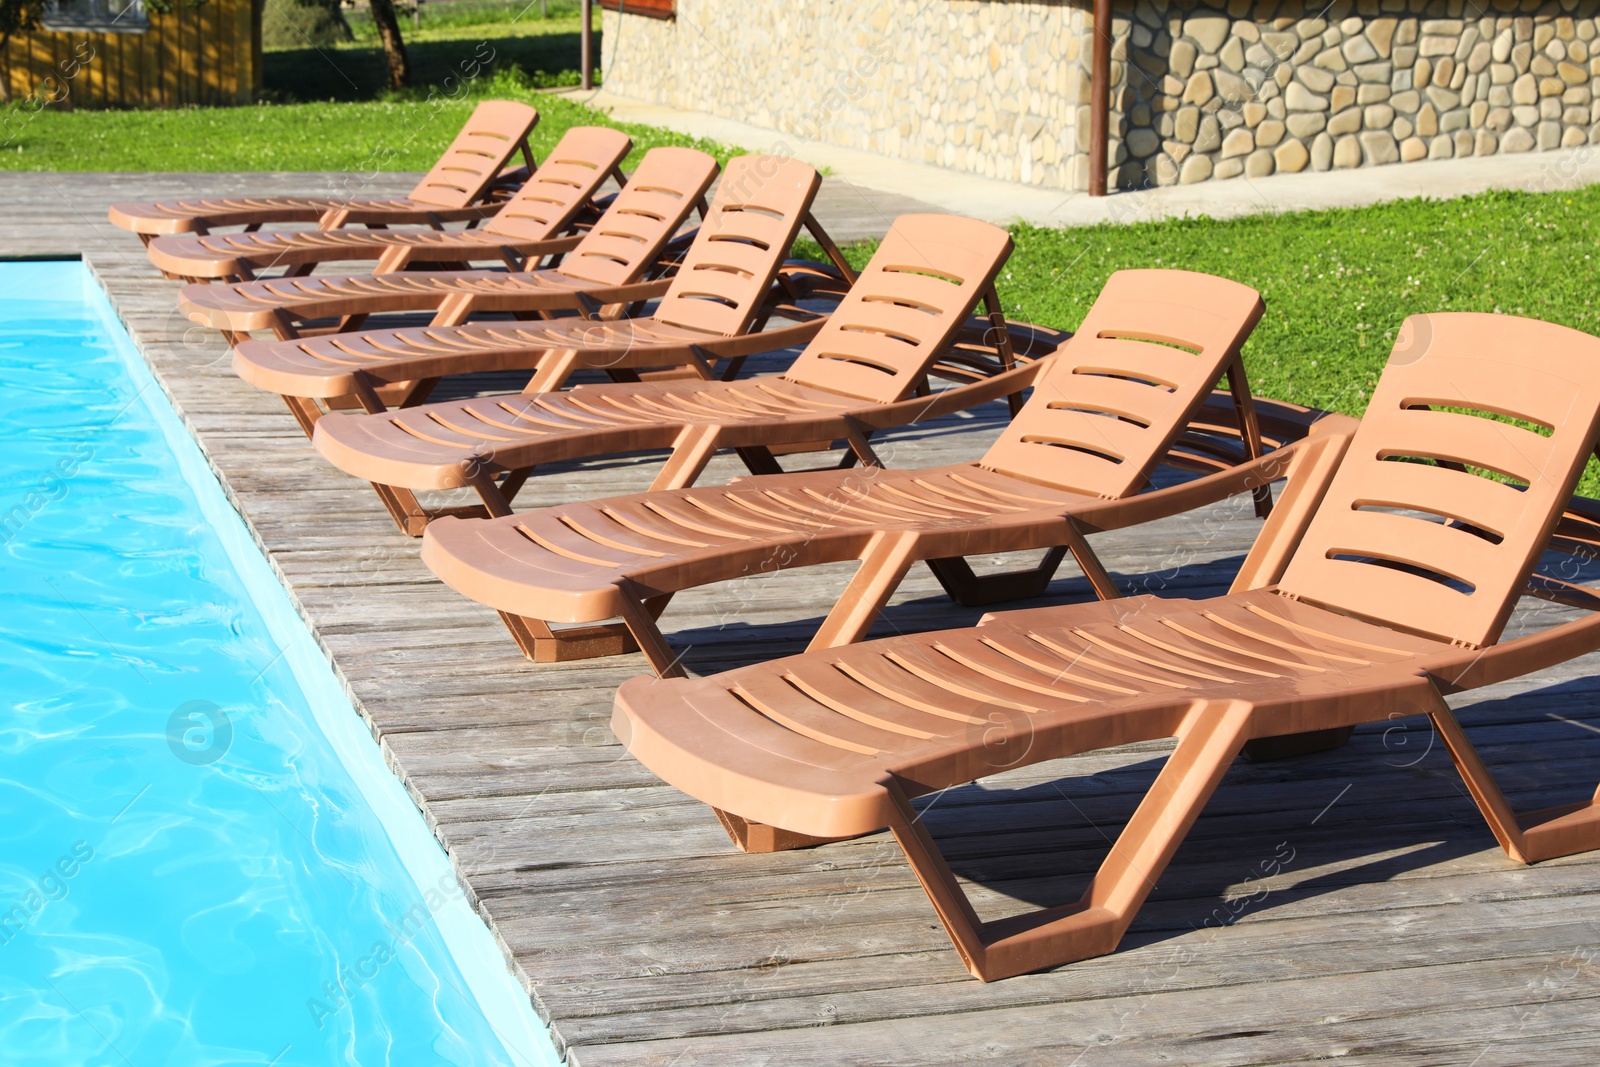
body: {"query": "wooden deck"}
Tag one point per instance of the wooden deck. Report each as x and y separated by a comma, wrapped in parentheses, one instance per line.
(1348, 906)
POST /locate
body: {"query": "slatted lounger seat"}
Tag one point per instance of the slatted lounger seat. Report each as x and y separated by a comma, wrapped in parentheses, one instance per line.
(722, 291)
(1380, 585)
(718, 306)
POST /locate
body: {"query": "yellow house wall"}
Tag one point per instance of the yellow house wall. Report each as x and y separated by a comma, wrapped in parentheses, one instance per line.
(193, 55)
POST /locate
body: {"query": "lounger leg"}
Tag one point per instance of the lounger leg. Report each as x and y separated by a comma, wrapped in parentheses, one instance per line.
(829, 249)
(759, 837)
(454, 310)
(543, 645)
(883, 567)
(412, 518)
(415, 393)
(512, 484)
(1208, 741)
(969, 590)
(1249, 430)
(1531, 836)
(758, 459)
(1089, 563)
(494, 501)
(1000, 338)
(305, 412)
(395, 258)
(966, 588)
(554, 370)
(690, 453)
(640, 619)
(404, 508)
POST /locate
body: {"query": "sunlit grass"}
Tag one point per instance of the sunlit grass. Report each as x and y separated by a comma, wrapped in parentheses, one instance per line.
(361, 136)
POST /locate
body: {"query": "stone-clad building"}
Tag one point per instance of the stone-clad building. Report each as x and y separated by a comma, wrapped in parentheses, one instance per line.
(1198, 90)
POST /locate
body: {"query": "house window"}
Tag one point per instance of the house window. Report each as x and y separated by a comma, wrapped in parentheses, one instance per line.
(95, 16)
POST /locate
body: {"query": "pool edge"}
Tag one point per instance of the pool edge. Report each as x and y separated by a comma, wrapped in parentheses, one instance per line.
(176, 419)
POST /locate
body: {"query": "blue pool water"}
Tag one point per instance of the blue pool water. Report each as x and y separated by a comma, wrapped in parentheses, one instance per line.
(202, 856)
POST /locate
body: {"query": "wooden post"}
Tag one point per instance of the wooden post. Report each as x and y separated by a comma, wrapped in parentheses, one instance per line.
(586, 59)
(1100, 98)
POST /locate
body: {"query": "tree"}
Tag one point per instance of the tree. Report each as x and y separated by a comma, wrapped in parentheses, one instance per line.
(16, 16)
(394, 49)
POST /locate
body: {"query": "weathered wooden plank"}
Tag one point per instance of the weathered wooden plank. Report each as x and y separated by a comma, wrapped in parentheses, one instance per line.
(1252, 1025)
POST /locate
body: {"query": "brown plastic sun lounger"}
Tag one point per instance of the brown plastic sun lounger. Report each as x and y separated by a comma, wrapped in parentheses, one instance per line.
(492, 443)
(617, 261)
(1380, 584)
(1113, 405)
(457, 189)
(723, 290)
(717, 306)
(528, 226)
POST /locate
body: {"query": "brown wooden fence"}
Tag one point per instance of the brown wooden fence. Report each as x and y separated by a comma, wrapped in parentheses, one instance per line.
(210, 54)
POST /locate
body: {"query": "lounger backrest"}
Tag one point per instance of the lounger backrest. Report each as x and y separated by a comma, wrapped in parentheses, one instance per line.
(645, 215)
(1440, 508)
(567, 180)
(758, 208)
(485, 144)
(1146, 357)
(904, 309)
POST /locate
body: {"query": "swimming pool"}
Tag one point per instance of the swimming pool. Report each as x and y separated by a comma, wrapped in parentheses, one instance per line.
(203, 858)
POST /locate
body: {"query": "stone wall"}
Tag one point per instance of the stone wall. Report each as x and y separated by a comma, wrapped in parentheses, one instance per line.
(1263, 87)
(1201, 89)
(974, 85)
